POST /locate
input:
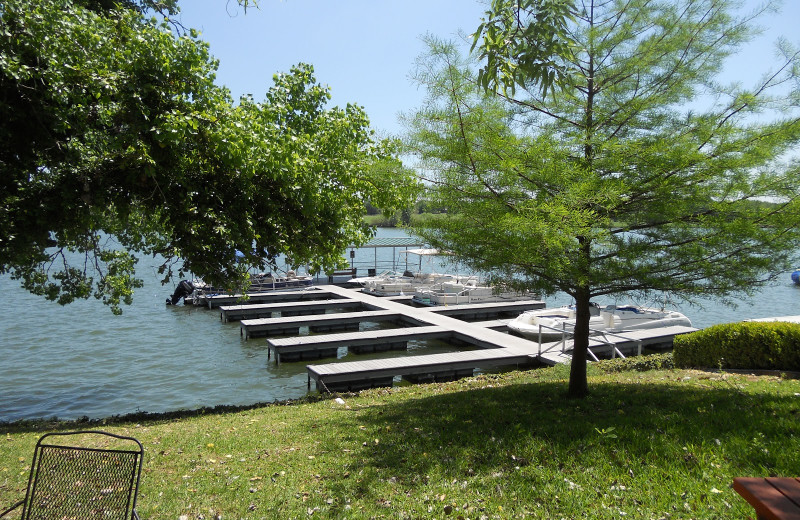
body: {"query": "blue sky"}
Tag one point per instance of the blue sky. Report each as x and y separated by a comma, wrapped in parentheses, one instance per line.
(365, 49)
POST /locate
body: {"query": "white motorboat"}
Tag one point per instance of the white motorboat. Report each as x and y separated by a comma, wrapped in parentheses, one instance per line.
(464, 291)
(553, 323)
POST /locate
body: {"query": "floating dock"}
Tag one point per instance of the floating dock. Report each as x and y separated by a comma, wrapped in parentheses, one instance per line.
(318, 323)
(490, 346)
(473, 311)
(306, 293)
(614, 344)
(240, 312)
(358, 375)
(314, 347)
(785, 319)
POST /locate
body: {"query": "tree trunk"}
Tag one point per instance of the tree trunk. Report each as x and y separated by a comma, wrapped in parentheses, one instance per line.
(578, 384)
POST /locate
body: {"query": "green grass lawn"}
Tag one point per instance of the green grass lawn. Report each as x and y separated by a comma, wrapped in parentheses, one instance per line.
(655, 445)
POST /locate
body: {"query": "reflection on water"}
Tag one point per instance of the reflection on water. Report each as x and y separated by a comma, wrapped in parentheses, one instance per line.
(80, 360)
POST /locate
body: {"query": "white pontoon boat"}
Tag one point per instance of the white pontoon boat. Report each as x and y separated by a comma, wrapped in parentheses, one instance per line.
(393, 283)
(458, 292)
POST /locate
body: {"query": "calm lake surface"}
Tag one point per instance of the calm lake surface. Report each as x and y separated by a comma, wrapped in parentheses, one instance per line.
(80, 360)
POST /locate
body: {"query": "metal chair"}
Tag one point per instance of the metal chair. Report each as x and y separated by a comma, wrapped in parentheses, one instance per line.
(78, 481)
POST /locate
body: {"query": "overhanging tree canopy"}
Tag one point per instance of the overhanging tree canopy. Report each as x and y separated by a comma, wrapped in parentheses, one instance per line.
(606, 159)
(111, 126)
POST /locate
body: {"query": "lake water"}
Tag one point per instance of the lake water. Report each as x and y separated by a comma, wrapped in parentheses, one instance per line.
(80, 360)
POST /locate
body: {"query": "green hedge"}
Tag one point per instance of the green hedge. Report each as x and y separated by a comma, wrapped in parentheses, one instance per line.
(747, 345)
(637, 363)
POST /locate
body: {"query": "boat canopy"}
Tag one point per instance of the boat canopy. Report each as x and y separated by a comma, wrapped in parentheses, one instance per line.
(424, 252)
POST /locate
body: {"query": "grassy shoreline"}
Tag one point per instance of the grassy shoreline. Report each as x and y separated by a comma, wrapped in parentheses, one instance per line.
(655, 444)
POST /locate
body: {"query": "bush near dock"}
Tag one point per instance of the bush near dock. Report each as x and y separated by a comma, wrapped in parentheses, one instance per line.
(638, 363)
(745, 345)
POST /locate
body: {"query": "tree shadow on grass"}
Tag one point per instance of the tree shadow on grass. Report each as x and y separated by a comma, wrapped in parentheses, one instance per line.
(693, 430)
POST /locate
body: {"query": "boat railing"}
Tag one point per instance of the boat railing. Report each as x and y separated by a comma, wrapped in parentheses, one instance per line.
(565, 334)
(614, 350)
(596, 334)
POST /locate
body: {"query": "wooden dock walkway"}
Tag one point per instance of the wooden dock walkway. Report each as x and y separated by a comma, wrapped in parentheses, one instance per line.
(314, 347)
(239, 312)
(472, 311)
(345, 309)
(308, 293)
(358, 375)
(625, 343)
(786, 319)
(318, 323)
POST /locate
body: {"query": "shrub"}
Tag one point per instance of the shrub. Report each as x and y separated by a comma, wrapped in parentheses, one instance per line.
(637, 363)
(747, 345)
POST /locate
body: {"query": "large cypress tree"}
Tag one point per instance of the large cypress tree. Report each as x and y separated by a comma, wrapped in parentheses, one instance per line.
(601, 155)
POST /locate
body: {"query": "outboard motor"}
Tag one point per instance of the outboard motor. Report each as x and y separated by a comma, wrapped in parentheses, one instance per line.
(184, 289)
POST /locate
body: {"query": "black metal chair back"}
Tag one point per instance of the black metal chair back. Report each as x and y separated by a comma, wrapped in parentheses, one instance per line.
(82, 482)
